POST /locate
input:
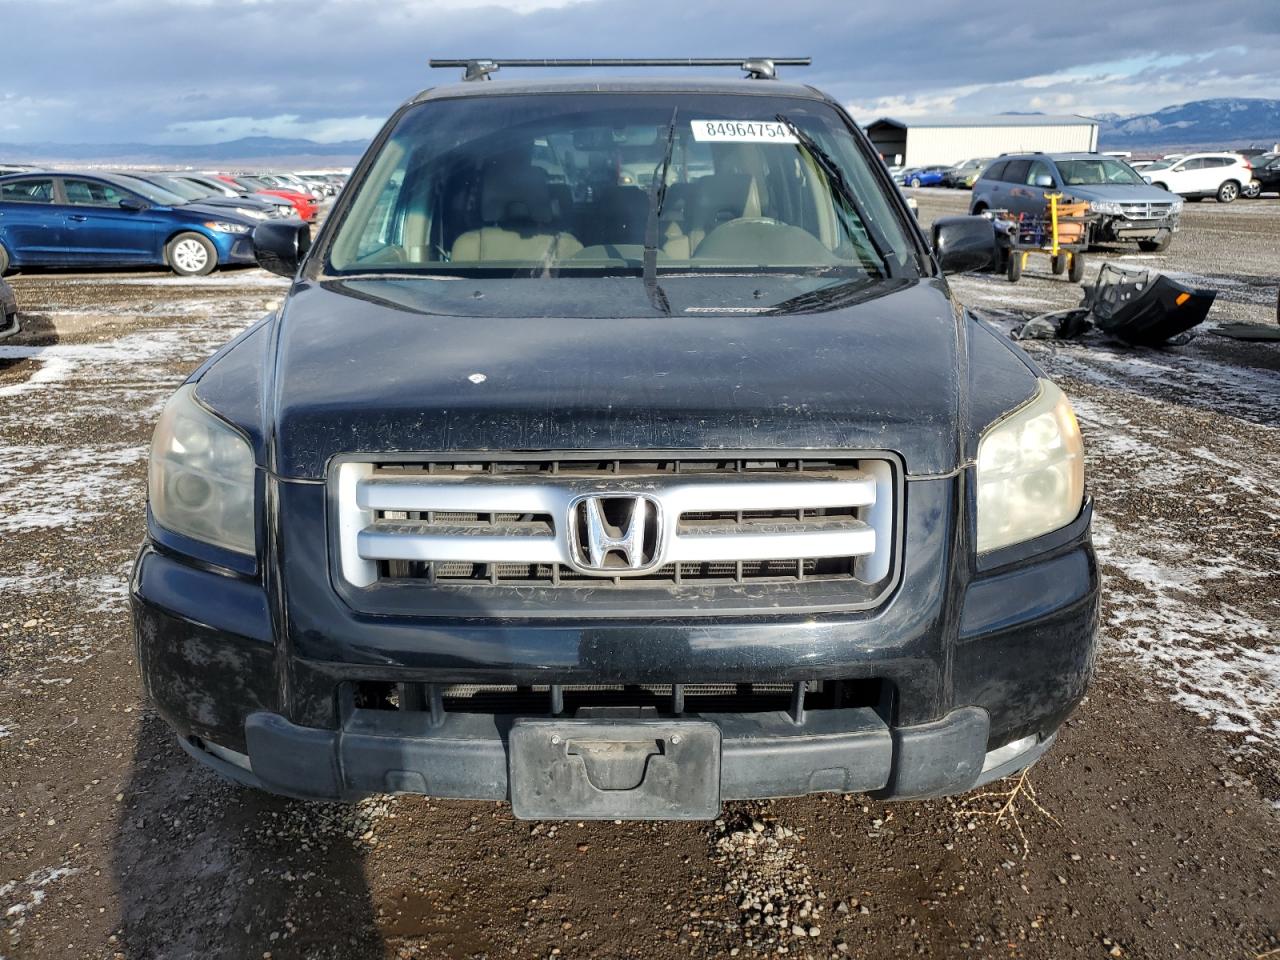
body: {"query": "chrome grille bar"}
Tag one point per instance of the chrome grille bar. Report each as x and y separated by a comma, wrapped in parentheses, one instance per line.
(492, 518)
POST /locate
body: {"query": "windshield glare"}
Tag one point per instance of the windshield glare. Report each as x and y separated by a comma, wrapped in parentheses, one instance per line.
(1096, 171)
(153, 193)
(572, 185)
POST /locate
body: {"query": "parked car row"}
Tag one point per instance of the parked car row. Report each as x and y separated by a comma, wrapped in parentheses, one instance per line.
(192, 223)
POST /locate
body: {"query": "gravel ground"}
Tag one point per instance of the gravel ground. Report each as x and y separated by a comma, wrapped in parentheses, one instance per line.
(1149, 831)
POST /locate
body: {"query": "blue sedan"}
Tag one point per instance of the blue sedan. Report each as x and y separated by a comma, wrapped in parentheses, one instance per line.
(923, 176)
(64, 219)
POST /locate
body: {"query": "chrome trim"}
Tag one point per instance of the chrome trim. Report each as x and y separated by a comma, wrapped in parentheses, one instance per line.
(363, 541)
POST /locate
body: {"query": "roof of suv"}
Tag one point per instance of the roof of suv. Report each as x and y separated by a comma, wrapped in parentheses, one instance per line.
(481, 88)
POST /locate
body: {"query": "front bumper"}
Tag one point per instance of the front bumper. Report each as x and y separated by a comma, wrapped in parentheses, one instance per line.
(1122, 228)
(982, 667)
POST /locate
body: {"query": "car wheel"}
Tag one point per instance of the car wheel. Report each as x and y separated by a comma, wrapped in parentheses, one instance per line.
(1076, 273)
(1158, 245)
(1059, 263)
(1228, 192)
(1251, 190)
(915, 181)
(191, 255)
(4, 260)
(1014, 269)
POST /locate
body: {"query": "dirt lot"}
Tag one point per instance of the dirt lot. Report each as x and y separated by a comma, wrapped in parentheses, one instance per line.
(1152, 830)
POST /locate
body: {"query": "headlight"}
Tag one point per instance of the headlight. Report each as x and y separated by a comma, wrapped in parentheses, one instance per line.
(222, 226)
(252, 214)
(201, 476)
(1176, 206)
(1030, 471)
(1105, 206)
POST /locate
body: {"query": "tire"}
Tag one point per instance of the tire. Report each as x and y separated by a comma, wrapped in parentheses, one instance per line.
(1159, 245)
(4, 260)
(1014, 269)
(191, 255)
(1058, 264)
(915, 181)
(1076, 273)
(1251, 190)
(978, 210)
(1228, 192)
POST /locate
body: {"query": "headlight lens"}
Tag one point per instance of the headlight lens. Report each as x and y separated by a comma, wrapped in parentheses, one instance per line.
(1104, 206)
(222, 226)
(1030, 472)
(251, 213)
(201, 476)
(1176, 207)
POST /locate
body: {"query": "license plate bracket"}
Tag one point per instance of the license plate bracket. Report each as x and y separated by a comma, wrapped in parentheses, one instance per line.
(614, 769)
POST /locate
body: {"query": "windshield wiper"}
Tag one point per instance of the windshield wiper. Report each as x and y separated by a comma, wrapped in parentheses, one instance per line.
(657, 195)
(836, 177)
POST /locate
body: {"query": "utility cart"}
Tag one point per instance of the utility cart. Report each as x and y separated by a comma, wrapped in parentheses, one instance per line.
(1062, 234)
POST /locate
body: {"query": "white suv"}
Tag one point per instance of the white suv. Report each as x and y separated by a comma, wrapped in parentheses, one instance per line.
(1221, 175)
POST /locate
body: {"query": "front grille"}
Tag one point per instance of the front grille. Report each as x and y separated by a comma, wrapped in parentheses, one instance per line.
(1146, 210)
(661, 699)
(524, 524)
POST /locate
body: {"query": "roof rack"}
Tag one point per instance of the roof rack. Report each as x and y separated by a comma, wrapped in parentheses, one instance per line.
(757, 68)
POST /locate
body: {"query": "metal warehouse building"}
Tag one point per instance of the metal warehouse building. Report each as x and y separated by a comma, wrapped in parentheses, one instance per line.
(922, 142)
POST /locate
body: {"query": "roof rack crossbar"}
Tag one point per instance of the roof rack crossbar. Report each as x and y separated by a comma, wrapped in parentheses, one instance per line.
(757, 68)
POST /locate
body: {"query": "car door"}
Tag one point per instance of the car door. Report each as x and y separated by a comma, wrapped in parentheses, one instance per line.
(1188, 176)
(1215, 172)
(100, 230)
(1036, 188)
(31, 225)
(1018, 197)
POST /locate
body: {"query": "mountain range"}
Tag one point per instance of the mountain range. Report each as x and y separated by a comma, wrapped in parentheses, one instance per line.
(247, 151)
(1222, 123)
(1231, 122)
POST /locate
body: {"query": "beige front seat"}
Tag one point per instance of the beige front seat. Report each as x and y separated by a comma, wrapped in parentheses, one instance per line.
(517, 210)
(715, 200)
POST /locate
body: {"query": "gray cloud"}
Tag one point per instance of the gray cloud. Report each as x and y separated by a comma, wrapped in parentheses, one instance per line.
(154, 70)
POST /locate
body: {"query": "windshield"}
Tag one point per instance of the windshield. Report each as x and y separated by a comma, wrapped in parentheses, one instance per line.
(1159, 165)
(151, 192)
(572, 185)
(1097, 170)
(186, 191)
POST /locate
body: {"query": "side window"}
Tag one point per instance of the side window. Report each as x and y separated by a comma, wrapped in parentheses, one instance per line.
(92, 193)
(27, 191)
(1218, 162)
(1190, 165)
(1016, 171)
(1038, 169)
(995, 171)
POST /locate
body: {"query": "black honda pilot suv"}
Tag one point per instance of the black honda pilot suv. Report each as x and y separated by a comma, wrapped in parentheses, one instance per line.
(619, 449)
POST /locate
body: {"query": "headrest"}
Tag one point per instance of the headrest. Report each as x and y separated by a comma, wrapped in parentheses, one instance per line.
(514, 193)
(725, 196)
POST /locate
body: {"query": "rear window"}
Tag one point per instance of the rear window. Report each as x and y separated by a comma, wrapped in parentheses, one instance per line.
(995, 171)
(566, 186)
(1016, 171)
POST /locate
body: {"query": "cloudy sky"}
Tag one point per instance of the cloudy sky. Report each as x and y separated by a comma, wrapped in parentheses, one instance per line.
(199, 71)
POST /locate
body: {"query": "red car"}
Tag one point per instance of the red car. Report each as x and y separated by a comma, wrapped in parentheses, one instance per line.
(305, 205)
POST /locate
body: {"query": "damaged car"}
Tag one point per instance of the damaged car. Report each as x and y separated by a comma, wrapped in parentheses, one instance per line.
(1122, 205)
(615, 501)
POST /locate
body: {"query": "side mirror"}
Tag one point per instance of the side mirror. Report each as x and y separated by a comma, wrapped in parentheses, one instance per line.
(280, 245)
(132, 203)
(1044, 180)
(962, 244)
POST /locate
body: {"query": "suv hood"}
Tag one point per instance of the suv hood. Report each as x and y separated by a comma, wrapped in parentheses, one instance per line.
(363, 367)
(1124, 192)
